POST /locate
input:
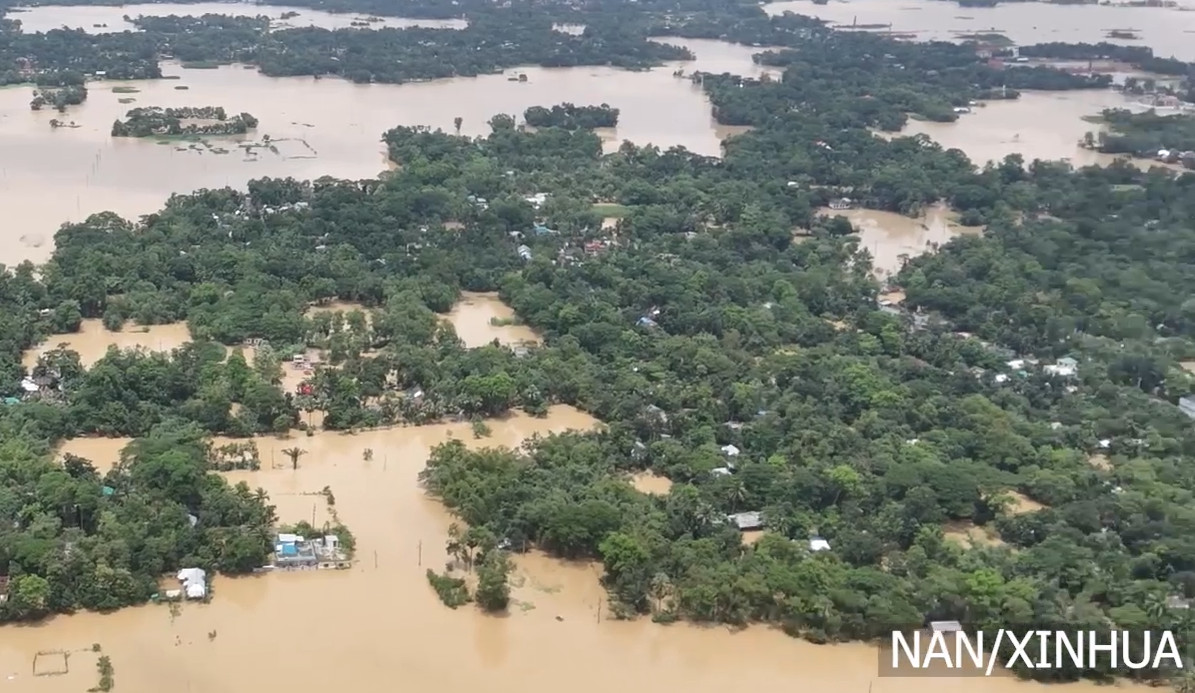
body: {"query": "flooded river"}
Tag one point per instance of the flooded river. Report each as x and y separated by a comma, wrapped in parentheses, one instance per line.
(1038, 125)
(368, 628)
(106, 19)
(1169, 31)
(323, 127)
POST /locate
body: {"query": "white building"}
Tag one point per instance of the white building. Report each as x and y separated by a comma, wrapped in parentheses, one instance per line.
(194, 582)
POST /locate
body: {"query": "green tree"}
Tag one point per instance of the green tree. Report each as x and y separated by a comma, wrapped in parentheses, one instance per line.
(493, 590)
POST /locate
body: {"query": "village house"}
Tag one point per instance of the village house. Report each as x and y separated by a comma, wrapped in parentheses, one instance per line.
(293, 552)
(748, 521)
(945, 626)
(1064, 368)
(655, 413)
(194, 584)
(1187, 405)
(841, 203)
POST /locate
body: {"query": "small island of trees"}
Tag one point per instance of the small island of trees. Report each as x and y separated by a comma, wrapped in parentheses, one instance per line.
(59, 98)
(572, 117)
(154, 120)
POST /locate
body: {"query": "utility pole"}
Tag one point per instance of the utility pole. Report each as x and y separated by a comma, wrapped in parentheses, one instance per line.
(420, 552)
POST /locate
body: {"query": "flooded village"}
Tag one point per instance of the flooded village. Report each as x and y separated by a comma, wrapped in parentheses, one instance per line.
(323, 616)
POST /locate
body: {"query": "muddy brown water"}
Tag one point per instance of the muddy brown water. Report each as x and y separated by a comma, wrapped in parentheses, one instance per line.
(92, 340)
(1169, 31)
(1038, 125)
(651, 484)
(472, 316)
(366, 628)
(319, 127)
(892, 238)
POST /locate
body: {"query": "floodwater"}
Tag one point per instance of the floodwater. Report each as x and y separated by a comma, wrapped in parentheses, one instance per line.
(343, 307)
(104, 453)
(109, 19)
(92, 340)
(1169, 31)
(892, 238)
(319, 127)
(651, 484)
(364, 628)
(1038, 125)
(473, 319)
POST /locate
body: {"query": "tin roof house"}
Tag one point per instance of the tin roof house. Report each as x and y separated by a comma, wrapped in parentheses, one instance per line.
(194, 582)
(748, 521)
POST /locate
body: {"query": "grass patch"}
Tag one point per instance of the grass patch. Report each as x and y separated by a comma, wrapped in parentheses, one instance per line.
(610, 209)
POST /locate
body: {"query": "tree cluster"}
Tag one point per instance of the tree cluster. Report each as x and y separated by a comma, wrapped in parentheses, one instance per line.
(172, 122)
(571, 117)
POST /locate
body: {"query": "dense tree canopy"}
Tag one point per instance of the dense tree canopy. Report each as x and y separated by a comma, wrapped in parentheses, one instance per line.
(756, 372)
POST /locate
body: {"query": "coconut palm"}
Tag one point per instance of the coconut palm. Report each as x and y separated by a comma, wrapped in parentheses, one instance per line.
(294, 454)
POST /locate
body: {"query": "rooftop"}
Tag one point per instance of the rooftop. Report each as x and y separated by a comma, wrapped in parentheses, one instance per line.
(747, 521)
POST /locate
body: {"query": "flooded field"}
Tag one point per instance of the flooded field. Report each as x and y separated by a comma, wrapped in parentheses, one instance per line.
(1169, 31)
(104, 453)
(106, 19)
(318, 127)
(480, 318)
(362, 629)
(651, 484)
(893, 238)
(1039, 125)
(92, 340)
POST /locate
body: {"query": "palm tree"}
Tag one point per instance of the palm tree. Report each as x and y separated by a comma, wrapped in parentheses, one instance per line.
(1156, 608)
(455, 547)
(294, 454)
(736, 493)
